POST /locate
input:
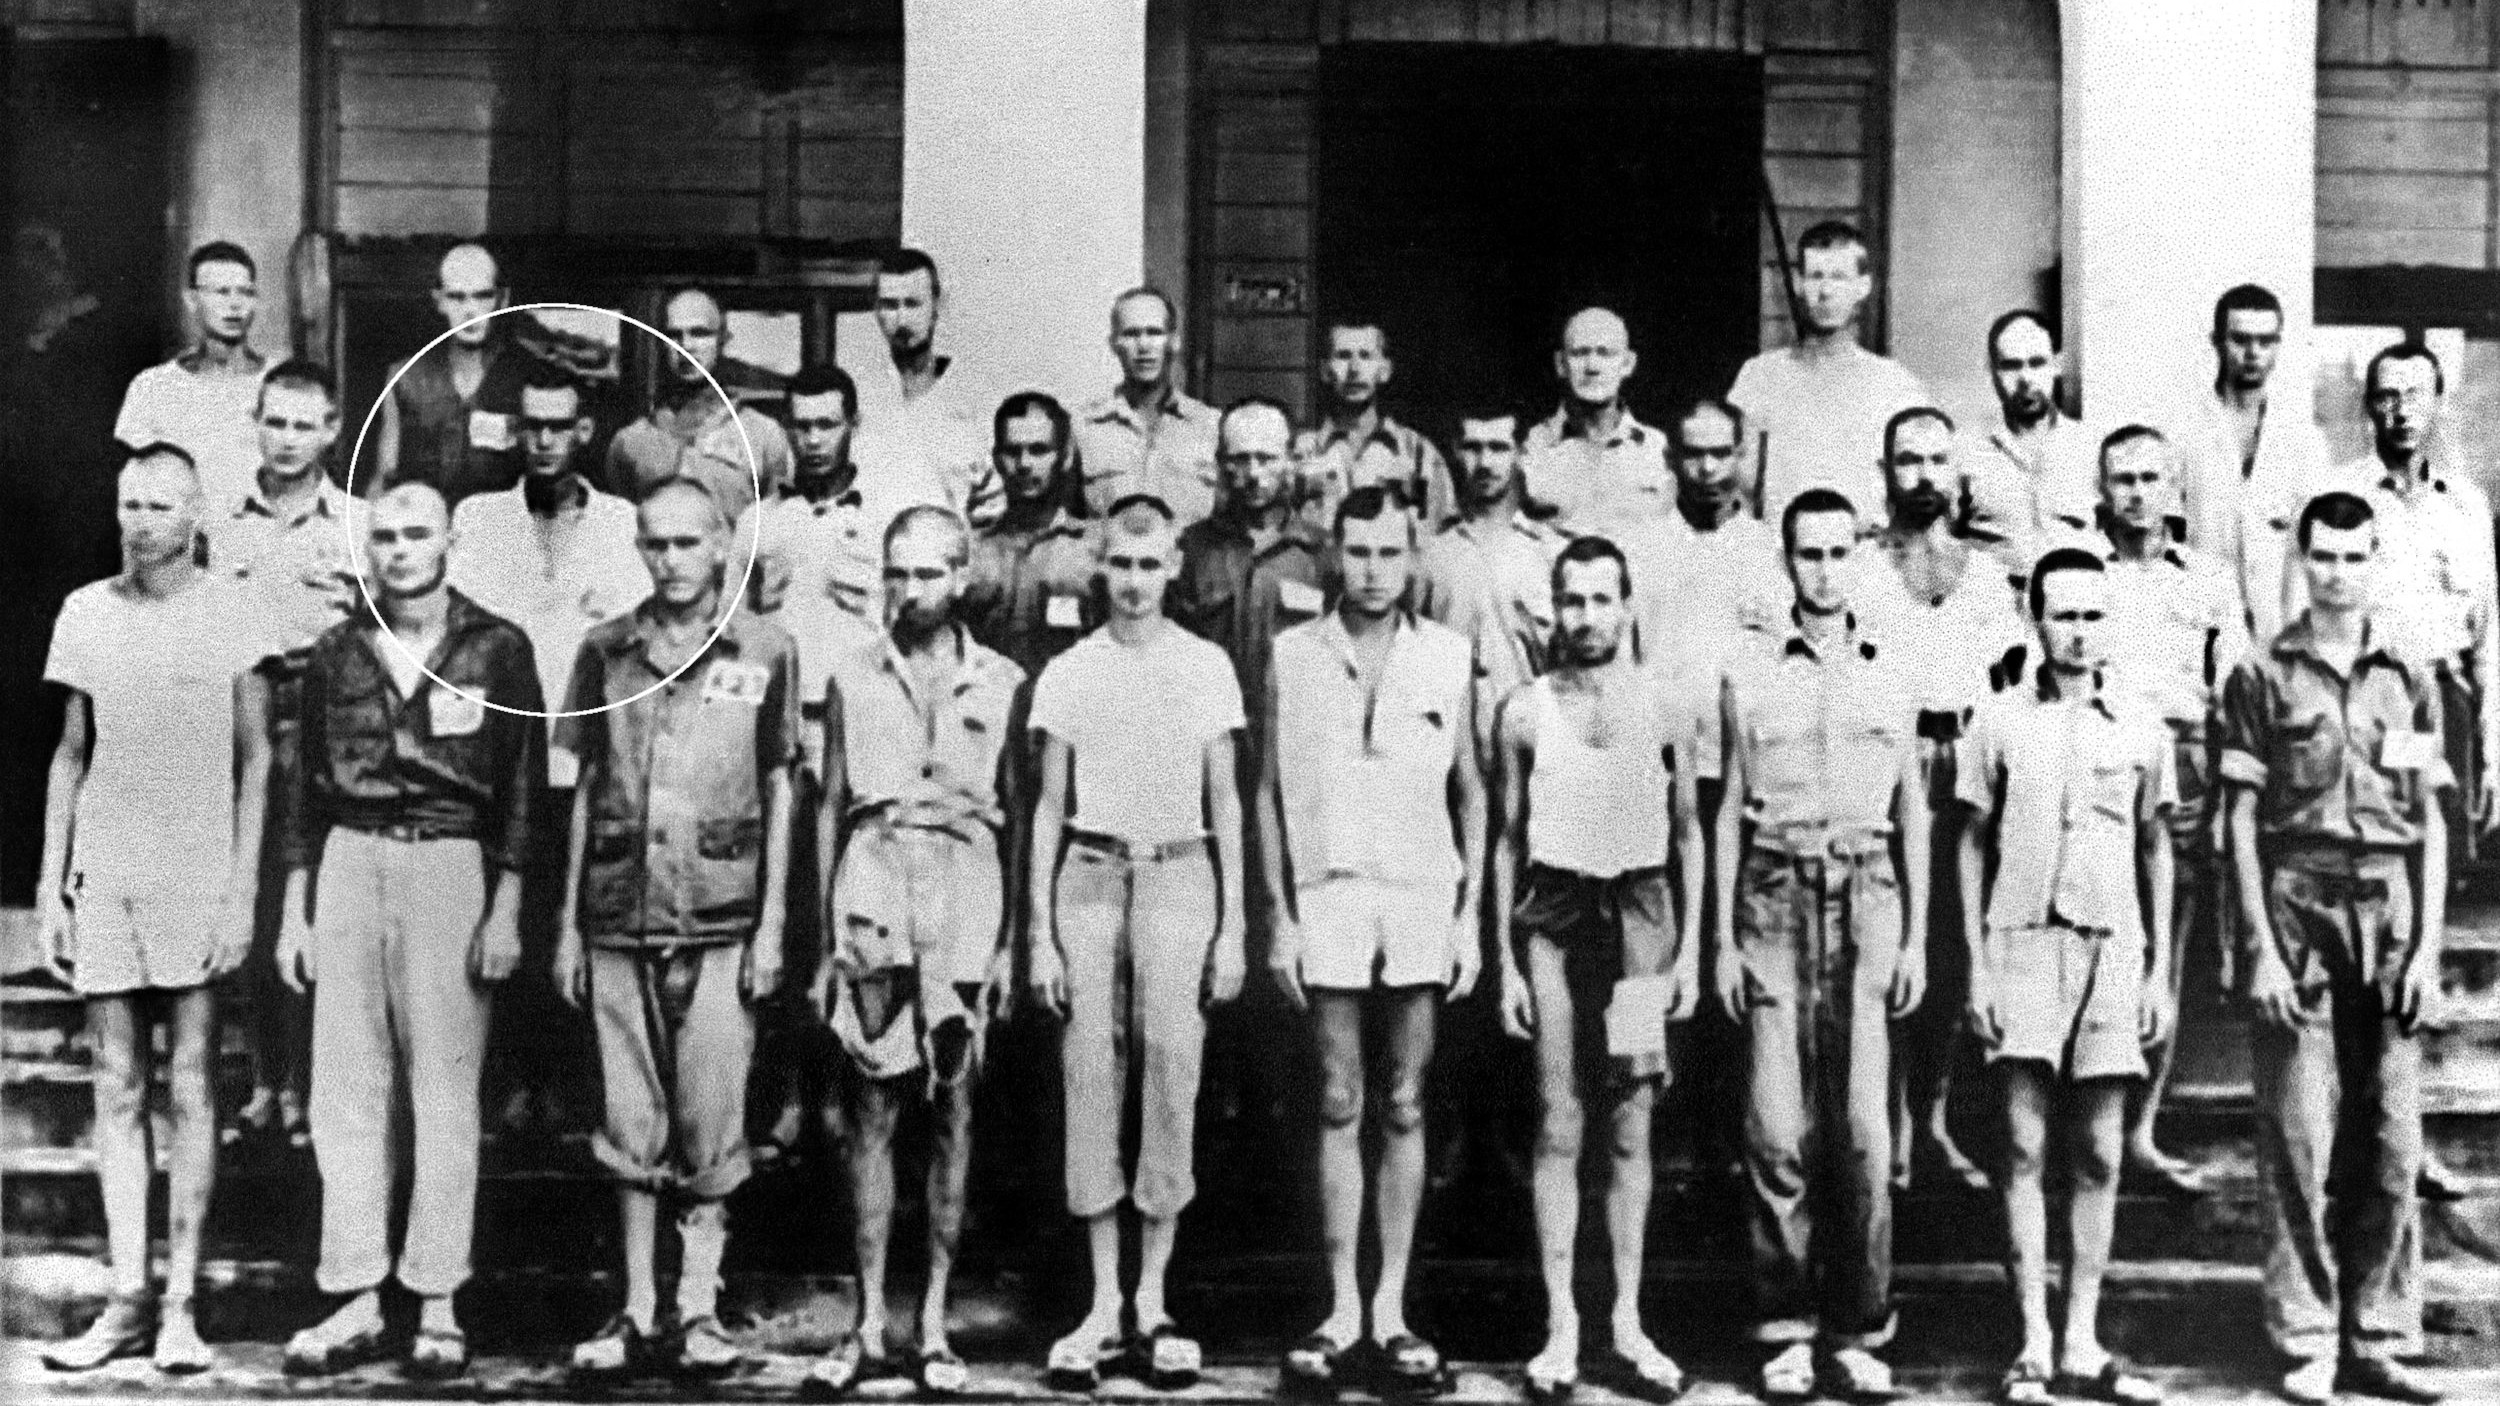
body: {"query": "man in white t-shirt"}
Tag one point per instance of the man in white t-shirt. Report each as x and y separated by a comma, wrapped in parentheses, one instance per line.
(203, 400)
(1820, 406)
(151, 871)
(1134, 933)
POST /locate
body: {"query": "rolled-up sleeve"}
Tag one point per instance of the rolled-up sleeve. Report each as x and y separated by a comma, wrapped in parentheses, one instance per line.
(2245, 740)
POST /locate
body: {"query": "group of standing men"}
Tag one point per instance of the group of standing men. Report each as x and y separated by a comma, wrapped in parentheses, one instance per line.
(1933, 738)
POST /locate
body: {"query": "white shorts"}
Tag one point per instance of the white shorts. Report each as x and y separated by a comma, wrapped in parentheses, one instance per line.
(1358, 933)
(161, 940)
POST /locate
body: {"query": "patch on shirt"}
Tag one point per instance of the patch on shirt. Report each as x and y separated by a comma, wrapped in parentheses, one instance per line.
(1061, 613)
(1299, 597)
(450, 714)
(2408, 750)
(736, 683)
(490, 431)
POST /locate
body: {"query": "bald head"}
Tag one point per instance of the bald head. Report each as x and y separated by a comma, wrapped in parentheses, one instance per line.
(468, 285)
(408, 540)
(1595, 358)
(692, 319)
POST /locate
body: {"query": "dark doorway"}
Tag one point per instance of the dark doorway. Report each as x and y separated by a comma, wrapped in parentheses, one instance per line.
(1470, 198)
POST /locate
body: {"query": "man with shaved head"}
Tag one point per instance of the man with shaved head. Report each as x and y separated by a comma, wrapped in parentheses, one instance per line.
(420, 765)
(1148, 435)
(1254, 567)
(451, 418)
(690, 431)
(922, 821)
(1591, 465)
(202, 400)
(686, 726)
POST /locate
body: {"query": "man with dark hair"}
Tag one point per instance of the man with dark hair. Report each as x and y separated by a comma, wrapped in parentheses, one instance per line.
(1591, 466)
(1134, 933)
(2331, 752)
(1822, 781)
(205, 399)
(1148, 435)
(1356, 444)
(2036, 444)
(1941, 606)
(2068, 787)
(2175, 632)
(2248, 464)
(1029, 592)
(1706, 565)
(414, 823)
(448, 420)
(1371, 819)
(1485, 575)
(923, 823)
(690, 431)
(1818, 406)
(1595, 763)
(928, 410)
(1256, 566)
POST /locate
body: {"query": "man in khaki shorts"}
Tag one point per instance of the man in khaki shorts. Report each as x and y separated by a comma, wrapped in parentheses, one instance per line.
(2068, 785)
(1134, 931)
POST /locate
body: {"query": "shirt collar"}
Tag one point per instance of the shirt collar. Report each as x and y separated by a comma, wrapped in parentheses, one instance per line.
(1795, 645)
(1332, 629)
(1372, 427)
(643, 625)
(1627, 430)
(329, 500)
(2298, 641)
(1176, 404)
(968, 661)
(2043, 691)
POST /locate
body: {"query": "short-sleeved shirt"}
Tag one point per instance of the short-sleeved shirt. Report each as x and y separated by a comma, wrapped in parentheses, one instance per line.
(1945, 642)
(2436, 580)
(2176, 631)
(1139, 718)
(210, 415)
(1592, 484)
(945, 430)
(2058, 466)
(299, 563)
(2315, 744)
(1821, 734)
(935, 761)
(1029, 592)
(678, 778)
(1170, 454)
(462, 443)
(834, 550)
(1363, 775)
(1490, 581)
(2069, 783)
(1335, 461)
(156, 811)
(1822, 420)
(1240, 591)
(698, 440)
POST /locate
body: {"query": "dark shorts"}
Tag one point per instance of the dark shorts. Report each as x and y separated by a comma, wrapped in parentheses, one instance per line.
(1605, 928)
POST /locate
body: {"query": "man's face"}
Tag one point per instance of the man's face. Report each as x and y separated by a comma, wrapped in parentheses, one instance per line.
(693, 322)
(1028, 455)
(2403, 401)
(2249, 343)
(408, 543)
(1136, 567)
(297, 424)
(553, 429)
(1143, 339)
(468, 286)
(820, 433)
(1357, 365)
(907, 310)
(223, 297)
(2024, 367)
(1255, 451)
(158, 509)
(1924, 481)
(684, 545)
(1589, 610)
(2341, 564)
(1833, 284)
(2136, 485)
(2074, 610)
(1819, 560)
(1375, 556)
(1595, 359)
(1488, 457)
(922, 582)
(1708, 463)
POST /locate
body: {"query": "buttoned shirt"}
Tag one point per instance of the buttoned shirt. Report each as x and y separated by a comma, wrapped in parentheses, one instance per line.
(946, 429)
(2240, 510)
(211, 415)
(2175, 631)
(1029, 592)
(1240, 591)
(678, 778)
(928, 760)
(1363, 775)
(2068, 781)
(1335, 460)
(2435, 582)
(1593, 484)
(1490, 581)
(2058, 465)
(833, 550)
(2339, 757)
(1945, 639)
(697, 439)
(555, 576)
(298, 563)
(436, 758)
(1822, 421)
(1170, 454)
(1821, 733)
(461, 443)
(1694, 591)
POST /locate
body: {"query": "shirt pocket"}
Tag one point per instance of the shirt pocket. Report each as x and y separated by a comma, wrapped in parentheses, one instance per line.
(729, 839)
(2110, 790)
(2311, 745)
(1785, 754)
(1412, 727)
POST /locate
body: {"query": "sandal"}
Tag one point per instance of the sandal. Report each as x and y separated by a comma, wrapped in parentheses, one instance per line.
(122, 1330)
(1172, 1362)
(942, 1373)
(1076, 1363)
(1314, 1367)
(438, 1354)
(2025, 1384)
(322, 1350)
(1409, 1366)
(834, 1374)
(1550, 1381)
(1789, 1375)
(2115, 1383)
(1859, 1375)
(1649, 1375)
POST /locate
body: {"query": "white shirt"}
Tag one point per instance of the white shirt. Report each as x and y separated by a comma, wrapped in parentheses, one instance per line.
(1596, 485)
(1944, 645)
(1823, 421)
(209, 416)
(2243, 514)
(2060, 466)
(834, 552)
(1139, 719)
(946, 429)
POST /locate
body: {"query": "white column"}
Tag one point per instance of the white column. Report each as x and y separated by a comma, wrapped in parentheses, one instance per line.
(2190, 160)
(1024, 176)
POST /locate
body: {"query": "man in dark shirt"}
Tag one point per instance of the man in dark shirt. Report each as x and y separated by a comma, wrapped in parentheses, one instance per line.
(1029, 592)
(452, 418)
(414, 800)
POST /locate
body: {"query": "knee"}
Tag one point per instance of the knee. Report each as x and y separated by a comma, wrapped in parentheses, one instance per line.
(121, 1086)
(1340, 1102)
(1559, 1131)
(1402, 1110)
(2094, 1162)
(2027, 1153)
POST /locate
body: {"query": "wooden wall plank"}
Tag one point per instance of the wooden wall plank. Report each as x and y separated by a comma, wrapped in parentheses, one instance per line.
(1260, 178)
(1817, 181)
(1505, 21)
(1823, 126)
(418, 104)
(620, 161)
(1290, 388)
(2347, 246)
(1262, 343)
(407, 210)
(667, 214)
(2363, 144)
(821, 217)
(2404, 200)
(376, 156)
(849, 169)
(1259, 232)
(1278, 125)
